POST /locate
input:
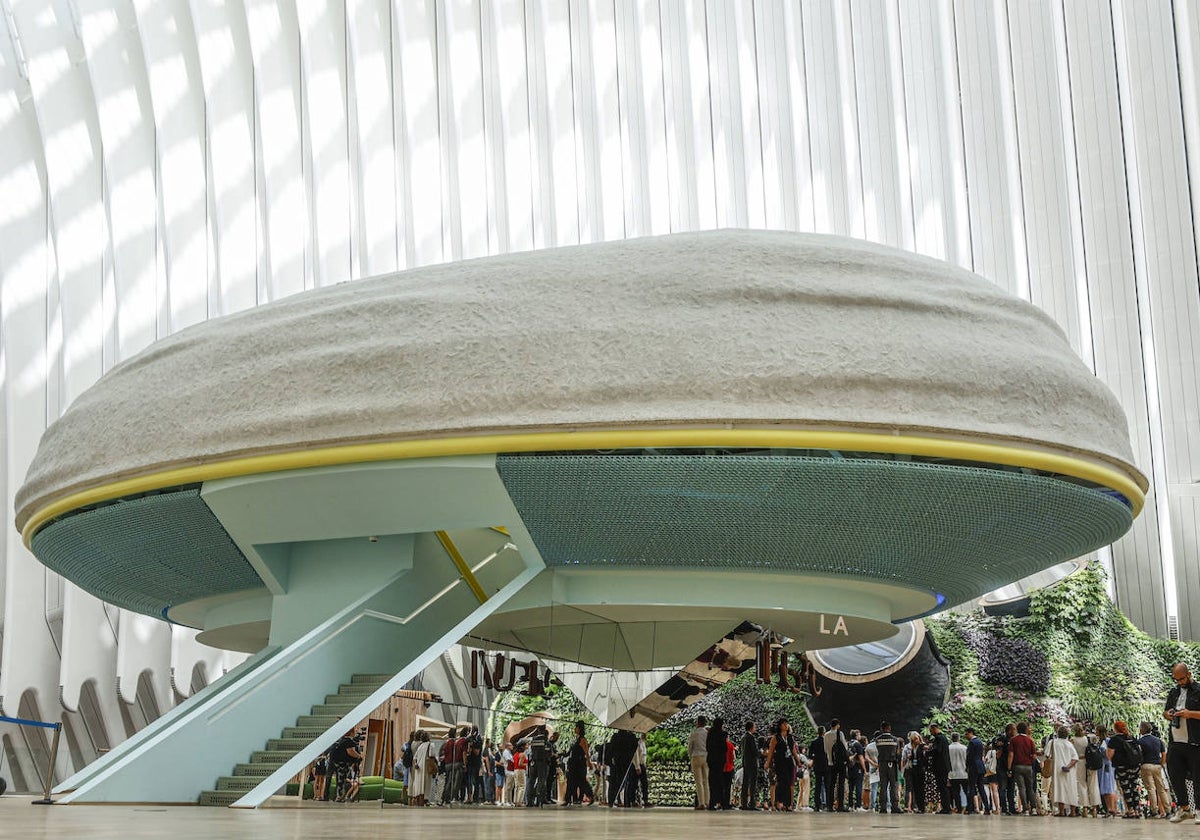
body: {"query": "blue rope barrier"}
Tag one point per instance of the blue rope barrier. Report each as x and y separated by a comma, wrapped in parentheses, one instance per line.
(24, 722)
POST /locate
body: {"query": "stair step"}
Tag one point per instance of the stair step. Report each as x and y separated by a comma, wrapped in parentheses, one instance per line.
(223, 798)
(321, 722)
(376, 679)
(339, 710)
(258, 771)
(248, 775)
(310, 733)
(241, 784)
(289, 745)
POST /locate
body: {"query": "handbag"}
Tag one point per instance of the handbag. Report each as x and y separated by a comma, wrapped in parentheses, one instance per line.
(1047, 767)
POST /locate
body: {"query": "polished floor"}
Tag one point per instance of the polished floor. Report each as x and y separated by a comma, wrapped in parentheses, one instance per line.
(20, 819)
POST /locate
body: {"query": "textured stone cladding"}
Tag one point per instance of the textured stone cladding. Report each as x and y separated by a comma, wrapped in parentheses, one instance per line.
(726, 329)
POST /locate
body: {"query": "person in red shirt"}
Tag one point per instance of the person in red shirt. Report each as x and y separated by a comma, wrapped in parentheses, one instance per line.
(1022, 757)
(727, 783)
(517, 791)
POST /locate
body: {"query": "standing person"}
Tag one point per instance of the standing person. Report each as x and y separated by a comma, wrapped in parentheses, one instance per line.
(1182, 709)
(637, 772)
(1085, 775)
(698, 756)
(914, 774)
(977, 794)
(1126, 757)
(1106, 778)
(782, 758)
(856, 767)
(450, 767)
(959, 798)
(715, 754)
(643, 762)
(836, 755)
(819, 769)
(489, 773)
(1004, 780)
(320, 777)
(1151, 771)
(889, 747)
(749, 768)
(500, 759)
(1064, 758)
(991, 787)
(803, 780)
(1022, 753)
(423, 759)
(516, 788)
(728, 768)
(579, 790)
(871, 754)
(939, 747)
(473, 767)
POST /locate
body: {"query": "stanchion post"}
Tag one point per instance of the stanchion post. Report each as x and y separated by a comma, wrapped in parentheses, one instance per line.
(46, 800)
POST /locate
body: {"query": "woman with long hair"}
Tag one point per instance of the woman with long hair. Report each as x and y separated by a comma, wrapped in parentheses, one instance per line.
(803, 779)
(579, 760)
(782, 759)
(418, 775)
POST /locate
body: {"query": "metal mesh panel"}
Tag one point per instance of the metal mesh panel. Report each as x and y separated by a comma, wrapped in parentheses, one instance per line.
(148, 553)
(956, 530)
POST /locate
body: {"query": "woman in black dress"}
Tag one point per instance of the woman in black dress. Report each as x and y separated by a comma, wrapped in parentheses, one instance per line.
(579, 790)
(782, 758)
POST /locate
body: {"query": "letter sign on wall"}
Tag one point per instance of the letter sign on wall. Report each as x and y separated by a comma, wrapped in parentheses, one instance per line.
(839, 627)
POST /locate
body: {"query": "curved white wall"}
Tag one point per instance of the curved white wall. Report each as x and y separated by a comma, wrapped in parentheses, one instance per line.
(166, 161)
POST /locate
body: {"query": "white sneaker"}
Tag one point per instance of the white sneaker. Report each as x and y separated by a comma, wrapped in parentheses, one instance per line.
(1197, 819)
(1180, 815)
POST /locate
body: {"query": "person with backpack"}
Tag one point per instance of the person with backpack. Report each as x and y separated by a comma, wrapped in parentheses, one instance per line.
(1091, 761)
(1106, 776)
(1093, 764)
(320, 774)
(404, 765)
(837, 753)
(1126, 757)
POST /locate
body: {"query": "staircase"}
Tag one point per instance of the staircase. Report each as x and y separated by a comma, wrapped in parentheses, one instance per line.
(316, 724)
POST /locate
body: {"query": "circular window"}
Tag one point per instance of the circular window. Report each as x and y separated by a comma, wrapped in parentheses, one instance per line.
(1022, 588)
(873, 660)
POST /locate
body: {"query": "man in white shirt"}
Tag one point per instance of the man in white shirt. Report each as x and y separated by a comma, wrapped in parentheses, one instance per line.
(958, 772)
(698, 755)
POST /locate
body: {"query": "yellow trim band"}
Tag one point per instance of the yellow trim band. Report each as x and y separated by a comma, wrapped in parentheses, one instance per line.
(930, 447)
(461, 564)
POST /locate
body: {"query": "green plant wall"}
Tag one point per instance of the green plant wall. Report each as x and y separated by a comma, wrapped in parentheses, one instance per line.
(1074, 658)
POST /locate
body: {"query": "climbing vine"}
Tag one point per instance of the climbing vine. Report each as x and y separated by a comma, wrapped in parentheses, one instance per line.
(1075, 657)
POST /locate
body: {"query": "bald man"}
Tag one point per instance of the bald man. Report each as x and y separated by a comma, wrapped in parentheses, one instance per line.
(1183, 739)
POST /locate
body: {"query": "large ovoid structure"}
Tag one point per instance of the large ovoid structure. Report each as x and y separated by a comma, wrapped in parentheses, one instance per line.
(609, 454)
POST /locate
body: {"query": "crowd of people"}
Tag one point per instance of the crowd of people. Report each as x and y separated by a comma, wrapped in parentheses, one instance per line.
(1071, 772)
(539, 769)
(1100, 772)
